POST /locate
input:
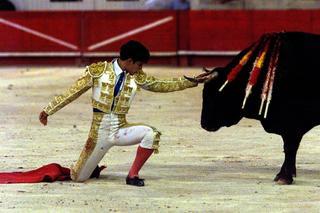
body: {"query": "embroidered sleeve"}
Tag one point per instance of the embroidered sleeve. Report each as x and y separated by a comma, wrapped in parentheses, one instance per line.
(76, 89)
(161, 85)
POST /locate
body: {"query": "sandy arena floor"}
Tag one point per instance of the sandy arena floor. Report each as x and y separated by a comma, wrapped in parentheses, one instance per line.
(196, 171)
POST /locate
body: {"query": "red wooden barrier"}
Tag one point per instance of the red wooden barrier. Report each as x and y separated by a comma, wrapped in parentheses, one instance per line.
(106, 31)
(219, 30)
(40, 32)
(173, 37)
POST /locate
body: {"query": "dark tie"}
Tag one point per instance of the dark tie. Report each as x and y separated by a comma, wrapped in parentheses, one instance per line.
(118, 84)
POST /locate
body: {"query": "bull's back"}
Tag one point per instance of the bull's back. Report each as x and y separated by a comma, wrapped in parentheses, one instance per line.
(295, 99)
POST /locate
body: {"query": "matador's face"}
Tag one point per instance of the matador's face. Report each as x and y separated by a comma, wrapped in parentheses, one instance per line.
(133, 67)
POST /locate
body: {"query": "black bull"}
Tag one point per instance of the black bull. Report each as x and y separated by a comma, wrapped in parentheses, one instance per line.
(295, 105)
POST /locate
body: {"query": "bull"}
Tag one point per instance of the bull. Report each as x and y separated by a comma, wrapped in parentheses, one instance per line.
(275, 81)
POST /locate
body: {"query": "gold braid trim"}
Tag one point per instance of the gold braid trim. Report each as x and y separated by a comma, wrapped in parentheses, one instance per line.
(97, 69)
(158, 85)
(140, 77)
(101, 106)
(76, 89)
(156, 140)
(89, 147)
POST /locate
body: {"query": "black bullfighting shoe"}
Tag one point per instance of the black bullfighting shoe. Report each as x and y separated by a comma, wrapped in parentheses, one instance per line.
(96, 172)
(135, 181)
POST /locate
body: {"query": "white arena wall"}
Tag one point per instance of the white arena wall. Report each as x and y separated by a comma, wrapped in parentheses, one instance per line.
(31, 5)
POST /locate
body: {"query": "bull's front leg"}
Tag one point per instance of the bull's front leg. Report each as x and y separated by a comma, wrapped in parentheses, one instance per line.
(288, 170)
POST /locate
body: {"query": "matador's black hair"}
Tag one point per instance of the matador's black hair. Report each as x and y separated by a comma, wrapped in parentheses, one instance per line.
(134, 50)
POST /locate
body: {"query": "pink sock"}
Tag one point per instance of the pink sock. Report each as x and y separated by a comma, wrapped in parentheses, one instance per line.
(141, 157)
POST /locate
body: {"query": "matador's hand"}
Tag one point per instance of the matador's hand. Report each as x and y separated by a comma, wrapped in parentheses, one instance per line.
(43, 117)
(205, 77)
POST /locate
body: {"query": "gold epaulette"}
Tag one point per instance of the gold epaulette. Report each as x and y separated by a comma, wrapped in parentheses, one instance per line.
(140, 77)
(97, 69)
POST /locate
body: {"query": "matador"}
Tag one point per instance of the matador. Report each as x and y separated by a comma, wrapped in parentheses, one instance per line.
(114, 85)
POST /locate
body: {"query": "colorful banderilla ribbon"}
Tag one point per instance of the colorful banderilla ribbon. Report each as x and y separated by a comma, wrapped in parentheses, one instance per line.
(243, 61)
(271, 70)
(271, 81)
(256, 70)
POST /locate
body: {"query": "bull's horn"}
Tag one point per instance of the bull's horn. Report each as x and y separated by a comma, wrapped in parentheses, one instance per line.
(190, 79)
(206, 69)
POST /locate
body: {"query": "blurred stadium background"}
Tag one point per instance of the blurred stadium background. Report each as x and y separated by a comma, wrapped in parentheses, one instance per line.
(78, 32)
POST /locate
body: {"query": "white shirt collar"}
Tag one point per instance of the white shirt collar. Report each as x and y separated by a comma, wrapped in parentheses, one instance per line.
(116, 67)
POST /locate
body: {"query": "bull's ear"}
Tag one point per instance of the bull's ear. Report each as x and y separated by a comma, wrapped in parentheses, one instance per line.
(212, 76)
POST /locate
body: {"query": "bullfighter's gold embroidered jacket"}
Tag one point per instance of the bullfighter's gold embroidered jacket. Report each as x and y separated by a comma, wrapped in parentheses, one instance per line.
(101, 78)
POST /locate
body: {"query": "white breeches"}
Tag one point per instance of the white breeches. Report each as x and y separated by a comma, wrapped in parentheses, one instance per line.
(109, 130)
